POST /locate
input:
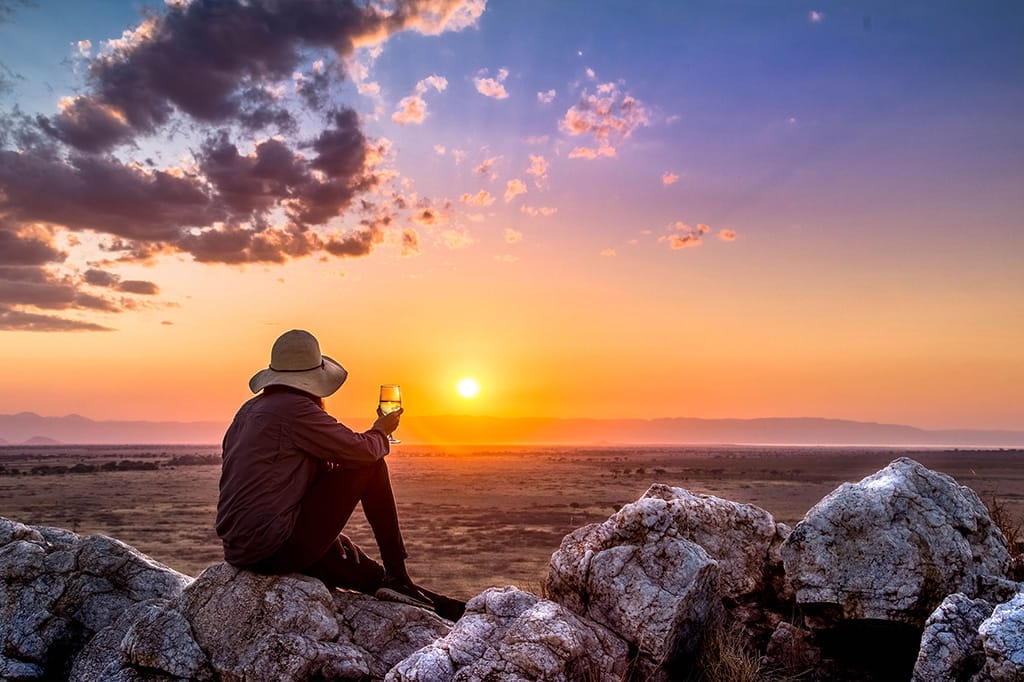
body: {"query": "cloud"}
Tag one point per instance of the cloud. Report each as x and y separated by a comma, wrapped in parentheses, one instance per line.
(481, 198)
(538, 169)
(439, 149)
(485, 167)
(546, 97)
(727, 235)
(18, 320)
(410, 242)
(669, 178)
(815, 17)
(608, 252)
(538, 210)
(492, 87)
(102, 278)
(514, 188)
(413, 109)
(26, 248)
(608, 115)
(456, 239)
(220, 76)
(513, 236)
(683, 236)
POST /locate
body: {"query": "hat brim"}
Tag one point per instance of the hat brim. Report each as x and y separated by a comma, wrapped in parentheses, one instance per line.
(321, 381)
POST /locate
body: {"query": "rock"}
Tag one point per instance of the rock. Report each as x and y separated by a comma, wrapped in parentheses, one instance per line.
(1002, 635)
(508, 634)
(951, 648)
(742, 538)
(892, 547)
(233, 624)
(638, 576)
(57, 589)
(791, 651)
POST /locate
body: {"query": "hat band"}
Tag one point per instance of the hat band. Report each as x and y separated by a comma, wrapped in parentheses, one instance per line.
(320, 366)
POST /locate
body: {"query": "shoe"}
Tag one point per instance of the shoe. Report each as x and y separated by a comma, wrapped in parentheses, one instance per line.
(446, 607)
(403, 592)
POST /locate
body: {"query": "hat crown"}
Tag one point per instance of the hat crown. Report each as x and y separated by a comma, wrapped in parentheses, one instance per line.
(295, 351)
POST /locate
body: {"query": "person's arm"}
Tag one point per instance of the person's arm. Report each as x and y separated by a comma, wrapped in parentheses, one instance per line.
(318, 433)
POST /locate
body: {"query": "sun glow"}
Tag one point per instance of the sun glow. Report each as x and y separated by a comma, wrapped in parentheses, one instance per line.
(468, 387)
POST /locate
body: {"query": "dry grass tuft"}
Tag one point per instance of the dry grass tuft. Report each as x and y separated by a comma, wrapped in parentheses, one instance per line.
(1013, 531)
(724, 656)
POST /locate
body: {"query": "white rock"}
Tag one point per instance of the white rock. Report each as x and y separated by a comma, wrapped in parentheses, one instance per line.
(951, 648)
(508, 634)
(638, 576)
(1002, 635)
(892, 546)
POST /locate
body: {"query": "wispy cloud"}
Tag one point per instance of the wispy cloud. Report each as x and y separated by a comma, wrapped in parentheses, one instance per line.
(815, 17)
(538, 169)
(492, 87)
(608, 115)
(486, 167)
(546, 97)
(480, 199)
(727, 235)
(608, 252)
(413, 109)
(513, 236)
(683, 236)
(535, 211)
(514, 188)
(669, 178)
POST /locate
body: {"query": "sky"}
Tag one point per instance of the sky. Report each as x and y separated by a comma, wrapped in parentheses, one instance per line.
(594, 209)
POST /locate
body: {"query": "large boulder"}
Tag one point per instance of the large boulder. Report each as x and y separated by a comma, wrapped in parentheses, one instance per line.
(1002, 636)
(638, 575)
(508, 634)
(951, 648)
(232, 624)
(57, 589)
(892, 547)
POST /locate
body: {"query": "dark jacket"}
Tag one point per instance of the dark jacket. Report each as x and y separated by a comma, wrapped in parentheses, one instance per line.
(273, 451)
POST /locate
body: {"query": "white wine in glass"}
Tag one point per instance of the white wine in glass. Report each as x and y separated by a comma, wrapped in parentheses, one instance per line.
(390, 401)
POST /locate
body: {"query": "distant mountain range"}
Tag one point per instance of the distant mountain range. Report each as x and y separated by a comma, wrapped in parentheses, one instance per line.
(74, 429)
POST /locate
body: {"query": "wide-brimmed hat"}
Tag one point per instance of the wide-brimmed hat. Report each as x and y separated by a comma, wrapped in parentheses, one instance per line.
(296, 361)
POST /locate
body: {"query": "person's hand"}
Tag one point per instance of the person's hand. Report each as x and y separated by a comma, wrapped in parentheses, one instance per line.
(348, 548)
(387, 423)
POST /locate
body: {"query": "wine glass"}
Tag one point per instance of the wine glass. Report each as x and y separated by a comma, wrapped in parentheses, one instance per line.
(390, 401)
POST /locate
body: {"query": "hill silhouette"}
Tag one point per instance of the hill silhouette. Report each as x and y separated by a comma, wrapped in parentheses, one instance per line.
(75, 429)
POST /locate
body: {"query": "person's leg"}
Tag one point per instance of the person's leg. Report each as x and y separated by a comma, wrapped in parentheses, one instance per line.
(353, 570)
(325, 510)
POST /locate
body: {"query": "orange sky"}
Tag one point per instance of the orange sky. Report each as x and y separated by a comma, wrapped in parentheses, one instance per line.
(848, 201)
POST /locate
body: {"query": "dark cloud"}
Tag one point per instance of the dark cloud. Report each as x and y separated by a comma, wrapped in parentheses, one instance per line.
(100, 278)
(19, 320)
(102, 194)
(204, 58)
(356, 244)
(208, 69)
(252, 183)
(138, 286)
(8, 7)
(17, 249)
(410, 242)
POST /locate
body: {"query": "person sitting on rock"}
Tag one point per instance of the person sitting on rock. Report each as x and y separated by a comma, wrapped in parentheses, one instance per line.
(292, 475)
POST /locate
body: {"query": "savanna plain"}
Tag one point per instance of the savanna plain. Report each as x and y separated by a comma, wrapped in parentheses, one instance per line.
(473, 517)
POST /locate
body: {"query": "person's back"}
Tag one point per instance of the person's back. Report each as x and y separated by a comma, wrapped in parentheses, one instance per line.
(292, 476)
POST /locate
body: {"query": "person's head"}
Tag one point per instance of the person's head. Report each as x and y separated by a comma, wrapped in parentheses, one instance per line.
(296, 361)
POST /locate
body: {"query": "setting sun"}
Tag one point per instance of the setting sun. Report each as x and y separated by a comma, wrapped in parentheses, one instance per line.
(468, 387)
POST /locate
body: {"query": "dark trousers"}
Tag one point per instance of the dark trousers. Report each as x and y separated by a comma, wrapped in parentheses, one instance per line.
(314, 547)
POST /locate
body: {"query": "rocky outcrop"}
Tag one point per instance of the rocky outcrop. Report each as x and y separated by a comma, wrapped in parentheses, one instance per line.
(508, 634)
(870, 568)
(232, 624)
(892, 547)
(58, 589)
